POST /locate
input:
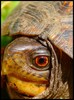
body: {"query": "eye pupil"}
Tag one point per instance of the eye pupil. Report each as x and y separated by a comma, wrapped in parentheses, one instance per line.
(41, 60)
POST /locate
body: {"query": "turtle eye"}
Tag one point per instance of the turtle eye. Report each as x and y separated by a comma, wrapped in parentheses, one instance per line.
(41, 61)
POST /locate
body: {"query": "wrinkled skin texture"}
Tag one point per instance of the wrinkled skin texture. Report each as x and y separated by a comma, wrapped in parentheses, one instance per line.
(37, 64)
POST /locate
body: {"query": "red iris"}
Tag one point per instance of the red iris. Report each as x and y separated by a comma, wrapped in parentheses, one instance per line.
(41, 61)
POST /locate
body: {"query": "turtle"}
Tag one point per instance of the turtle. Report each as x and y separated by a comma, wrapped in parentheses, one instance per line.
(37, 62)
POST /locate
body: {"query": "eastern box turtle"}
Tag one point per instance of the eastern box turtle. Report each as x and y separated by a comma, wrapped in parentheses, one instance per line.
(37, 63)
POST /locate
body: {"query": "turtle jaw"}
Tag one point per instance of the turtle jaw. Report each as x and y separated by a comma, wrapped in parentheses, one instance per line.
(21, 89)
(16, 95)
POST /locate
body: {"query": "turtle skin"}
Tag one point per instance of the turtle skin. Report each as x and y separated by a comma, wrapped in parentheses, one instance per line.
(37, 64)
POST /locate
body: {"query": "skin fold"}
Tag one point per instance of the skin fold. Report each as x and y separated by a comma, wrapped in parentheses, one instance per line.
(37, 61)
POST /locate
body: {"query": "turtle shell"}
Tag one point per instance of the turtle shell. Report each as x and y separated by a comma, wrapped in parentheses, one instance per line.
(50, 19)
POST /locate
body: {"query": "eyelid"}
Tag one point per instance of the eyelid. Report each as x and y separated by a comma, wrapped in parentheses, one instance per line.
(40, 53)
(36, 55)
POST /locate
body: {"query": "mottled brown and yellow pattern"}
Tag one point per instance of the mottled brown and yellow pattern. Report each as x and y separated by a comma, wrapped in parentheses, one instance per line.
(37, 64)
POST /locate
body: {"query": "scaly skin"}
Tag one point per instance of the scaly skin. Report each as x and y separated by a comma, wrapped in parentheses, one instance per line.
(16, 65)
(46, 30)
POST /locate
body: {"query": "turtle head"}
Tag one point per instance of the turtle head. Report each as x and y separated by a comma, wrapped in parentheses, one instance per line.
(27, 65)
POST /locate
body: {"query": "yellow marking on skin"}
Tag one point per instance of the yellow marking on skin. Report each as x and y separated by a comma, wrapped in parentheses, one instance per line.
(70, 5)
(19, 59)
(28, 88)
(9, 67)
(35, 78)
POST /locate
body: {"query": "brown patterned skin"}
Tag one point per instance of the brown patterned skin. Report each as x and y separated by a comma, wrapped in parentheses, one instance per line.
(40, 29)
(18, 63)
